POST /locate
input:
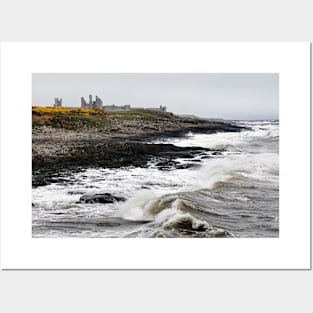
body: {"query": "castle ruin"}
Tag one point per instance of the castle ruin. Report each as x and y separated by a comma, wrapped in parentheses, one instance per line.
(113, 107)
(57, 102)
(97, 104)
(162, 108)
(127, 107)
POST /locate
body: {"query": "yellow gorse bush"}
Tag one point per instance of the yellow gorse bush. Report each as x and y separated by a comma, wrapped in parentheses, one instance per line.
(67, 111)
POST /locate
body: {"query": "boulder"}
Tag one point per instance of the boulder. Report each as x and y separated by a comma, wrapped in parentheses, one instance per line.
(100, 198)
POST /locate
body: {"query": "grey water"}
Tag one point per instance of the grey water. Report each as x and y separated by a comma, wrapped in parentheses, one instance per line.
(231, 191)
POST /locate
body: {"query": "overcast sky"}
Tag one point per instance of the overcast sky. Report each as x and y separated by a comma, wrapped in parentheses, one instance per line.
(229, 96)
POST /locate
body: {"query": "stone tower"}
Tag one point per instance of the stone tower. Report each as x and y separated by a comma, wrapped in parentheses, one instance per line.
(57, 102)
(98, 103)
(84, 104)
(90, 106)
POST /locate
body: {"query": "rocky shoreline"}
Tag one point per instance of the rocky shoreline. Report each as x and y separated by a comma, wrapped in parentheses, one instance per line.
(56, 151)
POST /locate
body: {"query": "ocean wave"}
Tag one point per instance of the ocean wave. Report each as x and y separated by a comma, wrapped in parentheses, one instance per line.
(168, 213)
(233, 141)
(240, 169)
(180, 210)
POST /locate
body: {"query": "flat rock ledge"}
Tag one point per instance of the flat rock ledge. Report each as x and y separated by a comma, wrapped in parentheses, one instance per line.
(58, 152)
(100, 198)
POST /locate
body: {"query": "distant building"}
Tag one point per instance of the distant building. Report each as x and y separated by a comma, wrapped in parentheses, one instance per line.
(57, 102)
(160, 109)
(84, 104)
(113, 107)
(97, 104)
(127, 107)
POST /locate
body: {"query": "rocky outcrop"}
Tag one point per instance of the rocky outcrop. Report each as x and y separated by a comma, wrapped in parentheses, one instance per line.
(100, 198)
(113, 154)
(121, 143)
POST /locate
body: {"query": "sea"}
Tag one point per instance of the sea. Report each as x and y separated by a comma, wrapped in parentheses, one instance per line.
(232, 190)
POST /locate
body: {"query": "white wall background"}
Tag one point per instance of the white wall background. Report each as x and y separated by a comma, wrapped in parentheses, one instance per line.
(158, 291)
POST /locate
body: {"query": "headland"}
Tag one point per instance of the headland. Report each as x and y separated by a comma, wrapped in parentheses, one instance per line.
(68, 139)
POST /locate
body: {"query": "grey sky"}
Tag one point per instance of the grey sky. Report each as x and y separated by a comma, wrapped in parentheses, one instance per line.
(229, 96)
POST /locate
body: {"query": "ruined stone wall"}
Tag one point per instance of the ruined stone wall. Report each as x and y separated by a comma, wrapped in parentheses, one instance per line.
(57, 102)
(97, 104)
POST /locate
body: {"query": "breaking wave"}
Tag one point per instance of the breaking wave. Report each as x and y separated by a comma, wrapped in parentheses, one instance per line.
(174, 212)
(243, 170)
(231, 193)
(168, 212)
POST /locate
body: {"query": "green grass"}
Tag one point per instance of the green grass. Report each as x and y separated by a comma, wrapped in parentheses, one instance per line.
(36, 124)
(133, 115)
(100, 121)
(91, 118)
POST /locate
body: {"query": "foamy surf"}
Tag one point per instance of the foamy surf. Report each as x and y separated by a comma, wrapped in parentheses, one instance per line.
(234, 192)
(167, 213)
(243, 170)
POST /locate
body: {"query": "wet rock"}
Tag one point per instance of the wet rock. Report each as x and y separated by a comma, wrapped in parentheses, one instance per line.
(75, 192)
(167, 164)
(122, 144)
(100, 198)
(186, 165)
(170, 165)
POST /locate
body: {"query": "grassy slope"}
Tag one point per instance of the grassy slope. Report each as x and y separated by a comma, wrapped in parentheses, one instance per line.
(77, 119)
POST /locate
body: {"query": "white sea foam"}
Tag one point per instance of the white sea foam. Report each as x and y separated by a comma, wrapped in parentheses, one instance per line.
(168, 200)
(169, 209)
(145, 205)
(240, 168)
(175, 216)
(166, 212)
(138, 208)
(236, 141)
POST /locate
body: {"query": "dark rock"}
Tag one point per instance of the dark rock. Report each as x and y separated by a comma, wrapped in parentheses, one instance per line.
(167, 163)
(186, 165)
(123, 144)
(100, 198)
(75, 192)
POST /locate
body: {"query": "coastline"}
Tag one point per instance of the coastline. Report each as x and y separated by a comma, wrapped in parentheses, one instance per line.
(56, 151)
(200, 185)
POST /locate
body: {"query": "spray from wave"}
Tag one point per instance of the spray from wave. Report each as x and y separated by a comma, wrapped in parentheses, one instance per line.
(234, 193)
(172, 211)
(168, 212)
(242, 170)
